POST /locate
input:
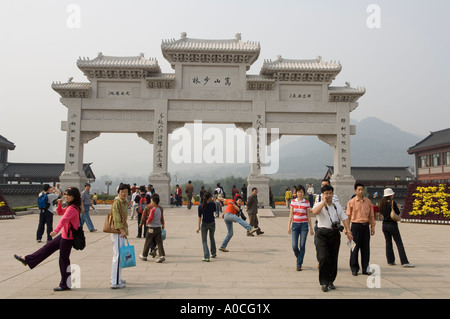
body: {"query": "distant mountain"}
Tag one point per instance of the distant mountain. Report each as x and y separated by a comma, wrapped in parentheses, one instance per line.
(376, 143)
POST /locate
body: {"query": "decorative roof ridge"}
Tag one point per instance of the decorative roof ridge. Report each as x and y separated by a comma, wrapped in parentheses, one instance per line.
(100, 56)
(4, 141)
(72, 89)
(184, 38)
(317, 60)
(298, 65)
(346, 89)
(421, 145)
(105, 61)
(71, 85)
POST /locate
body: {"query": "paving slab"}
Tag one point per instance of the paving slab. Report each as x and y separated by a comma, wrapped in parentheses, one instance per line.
(258, 268)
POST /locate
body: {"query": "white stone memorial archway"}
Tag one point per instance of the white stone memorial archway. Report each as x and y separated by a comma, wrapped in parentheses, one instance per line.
(131, 95)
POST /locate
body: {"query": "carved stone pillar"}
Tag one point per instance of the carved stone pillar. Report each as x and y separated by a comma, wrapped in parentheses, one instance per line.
(256, 178)
(342, 179)
(73, 174)
(160, 177)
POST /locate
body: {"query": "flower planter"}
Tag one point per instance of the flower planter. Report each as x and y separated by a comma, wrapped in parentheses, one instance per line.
(427, 203)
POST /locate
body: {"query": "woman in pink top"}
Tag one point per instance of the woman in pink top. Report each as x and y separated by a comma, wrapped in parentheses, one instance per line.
(70, 216)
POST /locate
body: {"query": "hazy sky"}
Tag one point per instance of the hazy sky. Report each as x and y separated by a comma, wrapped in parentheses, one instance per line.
(404, 64)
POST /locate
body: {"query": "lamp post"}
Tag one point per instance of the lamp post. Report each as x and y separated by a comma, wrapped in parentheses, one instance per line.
(108, 183)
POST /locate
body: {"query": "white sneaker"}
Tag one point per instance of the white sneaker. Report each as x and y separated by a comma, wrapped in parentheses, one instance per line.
(408, 265)
(142, 257)
(119, 286)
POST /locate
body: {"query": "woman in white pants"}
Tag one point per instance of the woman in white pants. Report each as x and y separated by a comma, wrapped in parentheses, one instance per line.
(119, 213)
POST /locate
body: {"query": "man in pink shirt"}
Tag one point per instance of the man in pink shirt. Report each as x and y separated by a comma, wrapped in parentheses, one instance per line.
(361, 215)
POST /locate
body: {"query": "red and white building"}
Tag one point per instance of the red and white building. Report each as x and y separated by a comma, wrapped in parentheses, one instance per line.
(432, 157)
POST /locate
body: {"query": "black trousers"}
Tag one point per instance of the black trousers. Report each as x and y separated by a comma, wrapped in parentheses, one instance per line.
(45, 218)
(390, 231)
(139, 235)
(361, 237)
(327, 247)
(58, 243)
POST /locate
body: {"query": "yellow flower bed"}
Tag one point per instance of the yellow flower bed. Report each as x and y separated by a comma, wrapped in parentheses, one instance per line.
(431, 200)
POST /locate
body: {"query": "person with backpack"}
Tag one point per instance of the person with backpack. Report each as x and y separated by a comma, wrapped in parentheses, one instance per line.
(141, 200)
(155, 224)
(64, 242)
(45, 203)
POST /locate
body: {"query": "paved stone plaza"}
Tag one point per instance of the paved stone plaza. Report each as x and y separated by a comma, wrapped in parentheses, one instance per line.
(261, 267)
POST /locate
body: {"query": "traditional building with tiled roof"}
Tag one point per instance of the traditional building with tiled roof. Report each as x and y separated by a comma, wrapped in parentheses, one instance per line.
(5, 146)
(377, 178)
(432, 157)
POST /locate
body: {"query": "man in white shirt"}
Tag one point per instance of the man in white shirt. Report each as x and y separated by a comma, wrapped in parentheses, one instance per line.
(134, 204)
(329, 216)
(46, 215)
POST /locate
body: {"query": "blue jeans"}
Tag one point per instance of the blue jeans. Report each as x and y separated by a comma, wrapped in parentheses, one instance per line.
(299, 230)
(229, 220)
(218, 209)
(211, 227)
(86, 218)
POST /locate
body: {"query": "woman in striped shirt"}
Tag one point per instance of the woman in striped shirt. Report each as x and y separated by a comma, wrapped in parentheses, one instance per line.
(299, 221)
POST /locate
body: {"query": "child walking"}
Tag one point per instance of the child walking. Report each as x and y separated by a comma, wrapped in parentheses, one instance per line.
(155, 224)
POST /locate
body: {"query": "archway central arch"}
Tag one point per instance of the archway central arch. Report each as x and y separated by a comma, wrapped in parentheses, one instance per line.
(211, 84)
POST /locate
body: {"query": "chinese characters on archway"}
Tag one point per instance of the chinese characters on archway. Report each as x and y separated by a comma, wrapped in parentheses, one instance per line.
(215, 81)
(159, 142)
(258, 127)
(119, 93)
(71, 137)
(343, 142)
(298, 96)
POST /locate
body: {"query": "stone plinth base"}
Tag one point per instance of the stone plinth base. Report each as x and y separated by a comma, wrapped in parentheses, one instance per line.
(73, 179)
(261, 182)
(161, 184)
(343, 188)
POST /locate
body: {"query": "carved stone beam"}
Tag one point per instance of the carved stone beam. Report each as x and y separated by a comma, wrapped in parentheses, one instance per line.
(329, 139)
(85, 137)
(172, 126)
(148, 136)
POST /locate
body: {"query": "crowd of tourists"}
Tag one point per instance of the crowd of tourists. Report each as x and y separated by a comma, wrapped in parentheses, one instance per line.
(357, 222)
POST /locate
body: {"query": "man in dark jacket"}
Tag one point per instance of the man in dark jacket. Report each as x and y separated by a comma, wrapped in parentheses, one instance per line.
(252, 211)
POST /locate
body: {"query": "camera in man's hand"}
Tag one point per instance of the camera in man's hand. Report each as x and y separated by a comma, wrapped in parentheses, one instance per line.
(337, 226)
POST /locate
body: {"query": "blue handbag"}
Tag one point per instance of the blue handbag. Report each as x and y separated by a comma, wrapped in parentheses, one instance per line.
(127, 256)
(163, 234)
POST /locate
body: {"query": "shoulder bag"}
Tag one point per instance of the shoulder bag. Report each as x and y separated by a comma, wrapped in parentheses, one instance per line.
(394, 215)
(108, 227)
